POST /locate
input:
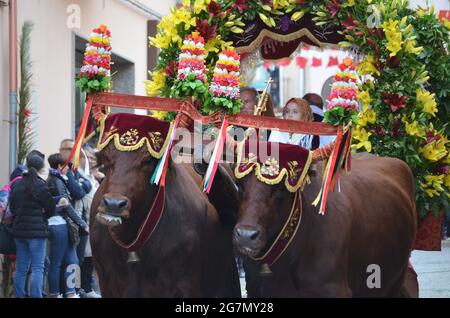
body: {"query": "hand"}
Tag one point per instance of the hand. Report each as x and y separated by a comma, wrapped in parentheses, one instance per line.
(86, 229)
(63, 202)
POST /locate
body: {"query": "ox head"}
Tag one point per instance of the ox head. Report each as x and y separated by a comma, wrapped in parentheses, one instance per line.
(262, 213)
(126, 187)
(130, 147)
(268, 184)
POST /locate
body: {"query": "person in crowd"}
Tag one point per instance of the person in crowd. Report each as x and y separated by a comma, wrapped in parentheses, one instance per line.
(296, 109)
(89, 170)
(32, 205)
(78, 187)
(249, 97)
(316, 104)
(5, 211)
(61, 249)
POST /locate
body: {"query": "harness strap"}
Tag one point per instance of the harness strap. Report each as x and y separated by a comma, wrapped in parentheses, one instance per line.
(148, 227)
(286, 234)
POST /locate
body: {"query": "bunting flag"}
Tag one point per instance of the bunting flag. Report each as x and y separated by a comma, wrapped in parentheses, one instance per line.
(215, 158)
(316, 62)
(333, 61)
(284, 62)
(76, 150)
(301, 61)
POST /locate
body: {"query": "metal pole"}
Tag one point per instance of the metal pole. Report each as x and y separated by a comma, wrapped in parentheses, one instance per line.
(12, 84)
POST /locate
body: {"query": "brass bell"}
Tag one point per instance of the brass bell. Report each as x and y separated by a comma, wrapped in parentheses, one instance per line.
(265, 270)
(133, 257)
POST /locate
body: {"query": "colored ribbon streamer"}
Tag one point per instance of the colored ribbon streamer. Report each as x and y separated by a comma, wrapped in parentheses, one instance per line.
(159, 176)
(75, 153)
(215, 158)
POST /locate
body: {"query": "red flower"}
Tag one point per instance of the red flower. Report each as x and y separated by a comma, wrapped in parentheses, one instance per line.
(333, 7)
(241, 5)
(215, 9)
(392, 99)
(170, 69)
(431, 136)
(379, 131)
(26, 112)
(442, 168)
(206, 31)
(396, 131)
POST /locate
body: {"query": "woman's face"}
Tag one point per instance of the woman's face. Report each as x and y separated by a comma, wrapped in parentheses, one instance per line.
(292, 112)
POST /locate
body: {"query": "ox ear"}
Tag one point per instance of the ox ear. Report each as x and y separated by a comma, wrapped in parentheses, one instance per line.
(312, 171)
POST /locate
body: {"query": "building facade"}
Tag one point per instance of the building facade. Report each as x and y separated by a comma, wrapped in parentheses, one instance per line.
(61, 28)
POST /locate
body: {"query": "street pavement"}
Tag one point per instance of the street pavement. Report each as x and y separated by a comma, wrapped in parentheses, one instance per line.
(433, 270)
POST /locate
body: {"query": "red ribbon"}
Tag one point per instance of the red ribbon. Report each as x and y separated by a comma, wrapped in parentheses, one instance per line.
(75, 153)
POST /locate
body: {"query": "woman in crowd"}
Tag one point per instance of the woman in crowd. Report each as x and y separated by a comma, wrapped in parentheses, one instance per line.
(296, 109)
(62, 248)
(89, 170)
(32, 205)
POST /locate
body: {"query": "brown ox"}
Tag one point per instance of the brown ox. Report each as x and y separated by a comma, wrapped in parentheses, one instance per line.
(372, 221)
(190, 254)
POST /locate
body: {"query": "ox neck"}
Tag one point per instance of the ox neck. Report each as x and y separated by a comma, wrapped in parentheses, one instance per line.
(286, 235)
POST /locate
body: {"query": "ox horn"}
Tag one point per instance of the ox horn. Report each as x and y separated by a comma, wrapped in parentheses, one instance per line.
(133, 257)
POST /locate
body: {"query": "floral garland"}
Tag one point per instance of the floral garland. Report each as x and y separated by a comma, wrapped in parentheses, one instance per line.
(95, 74)
(191, 76)
(405, 94)
(342, 102)
(225, 83)
(405, 100)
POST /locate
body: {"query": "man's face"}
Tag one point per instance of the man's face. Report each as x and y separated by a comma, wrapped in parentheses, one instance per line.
(66, 148)
(248, 102)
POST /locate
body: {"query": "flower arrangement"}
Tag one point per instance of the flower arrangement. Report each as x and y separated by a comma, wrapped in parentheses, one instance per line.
(405, 101)
(191, 77)
(405, 96)
(342, 102)
(95, 74)
(225, 82)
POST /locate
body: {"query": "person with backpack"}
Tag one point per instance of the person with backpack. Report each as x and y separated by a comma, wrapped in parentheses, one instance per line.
(31, 204)
(62, 243)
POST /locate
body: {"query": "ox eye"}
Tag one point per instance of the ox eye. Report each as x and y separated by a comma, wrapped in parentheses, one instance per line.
(280, 195)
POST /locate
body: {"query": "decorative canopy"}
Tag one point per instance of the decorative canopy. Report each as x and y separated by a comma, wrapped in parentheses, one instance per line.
(282, 40)
(290, 162)
(130, 132)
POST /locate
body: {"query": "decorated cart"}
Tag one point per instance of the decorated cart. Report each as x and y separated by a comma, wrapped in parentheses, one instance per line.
(207, 45)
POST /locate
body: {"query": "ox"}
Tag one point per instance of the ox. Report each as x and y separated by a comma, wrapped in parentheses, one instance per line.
(190, 254)
(372, 221)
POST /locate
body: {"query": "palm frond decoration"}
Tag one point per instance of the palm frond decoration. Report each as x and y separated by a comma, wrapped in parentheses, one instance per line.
(25, 133)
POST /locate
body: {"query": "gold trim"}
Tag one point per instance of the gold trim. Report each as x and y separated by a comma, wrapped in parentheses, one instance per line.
(119, 146)
(284, 172)
(293, 210)
(256, 43)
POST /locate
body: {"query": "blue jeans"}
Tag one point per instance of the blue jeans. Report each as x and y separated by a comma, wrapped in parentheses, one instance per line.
(29, 252)
(62, 252)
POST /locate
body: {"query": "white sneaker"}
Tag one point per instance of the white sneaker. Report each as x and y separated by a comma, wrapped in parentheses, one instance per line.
(92, 294)
(74, 296)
